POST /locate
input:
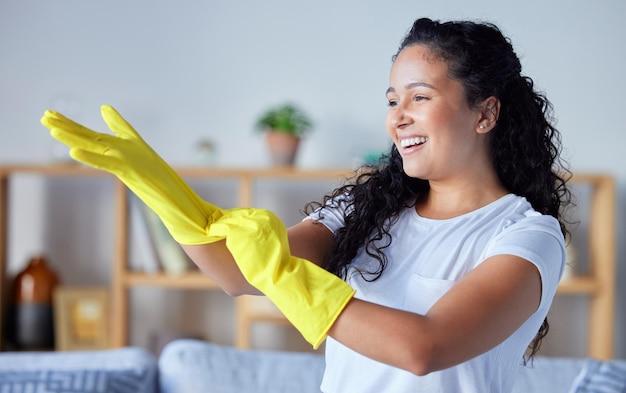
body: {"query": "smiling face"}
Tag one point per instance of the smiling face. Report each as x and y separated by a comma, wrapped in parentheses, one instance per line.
(436, 132)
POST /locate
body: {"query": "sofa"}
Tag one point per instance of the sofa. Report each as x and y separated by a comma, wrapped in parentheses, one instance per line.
(190, 366)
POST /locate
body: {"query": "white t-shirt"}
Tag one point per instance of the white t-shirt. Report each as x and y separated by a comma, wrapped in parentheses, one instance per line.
(425, 259)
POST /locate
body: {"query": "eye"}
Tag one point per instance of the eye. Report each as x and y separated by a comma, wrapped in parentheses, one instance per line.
(392, 103)
(419, 97)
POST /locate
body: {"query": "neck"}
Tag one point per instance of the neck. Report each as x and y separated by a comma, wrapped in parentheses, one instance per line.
(448, 199)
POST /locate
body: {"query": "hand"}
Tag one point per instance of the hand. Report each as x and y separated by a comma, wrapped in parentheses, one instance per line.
(127, 156)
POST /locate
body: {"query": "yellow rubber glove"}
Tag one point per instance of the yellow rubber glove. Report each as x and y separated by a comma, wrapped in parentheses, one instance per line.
(310, 297)
(127, 156)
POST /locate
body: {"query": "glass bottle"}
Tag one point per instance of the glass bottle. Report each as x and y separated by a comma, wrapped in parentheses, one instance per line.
(33, 319)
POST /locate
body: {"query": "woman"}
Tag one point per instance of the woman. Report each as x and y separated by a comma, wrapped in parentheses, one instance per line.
(445, 256)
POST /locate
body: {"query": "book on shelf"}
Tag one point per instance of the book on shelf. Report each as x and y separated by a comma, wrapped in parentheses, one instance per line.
(167, 253)
(141, 252)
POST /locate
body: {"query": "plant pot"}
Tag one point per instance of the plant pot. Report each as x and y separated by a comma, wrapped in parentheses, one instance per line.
(283, 148)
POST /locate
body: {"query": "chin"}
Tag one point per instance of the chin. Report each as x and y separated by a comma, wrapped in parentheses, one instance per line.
(413, 172)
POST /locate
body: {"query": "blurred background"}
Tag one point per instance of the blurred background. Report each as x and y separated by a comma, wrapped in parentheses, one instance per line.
(189, 71)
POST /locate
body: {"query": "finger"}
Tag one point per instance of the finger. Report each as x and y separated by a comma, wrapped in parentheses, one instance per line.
(98, 161)
(82, 138)
(117, 123)
(52, 119)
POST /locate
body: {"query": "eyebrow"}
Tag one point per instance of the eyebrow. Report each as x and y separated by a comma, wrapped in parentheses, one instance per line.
(410, 86)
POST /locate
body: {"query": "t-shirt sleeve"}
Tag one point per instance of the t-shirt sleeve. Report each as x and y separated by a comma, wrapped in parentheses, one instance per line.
(332, 214)
(539, 240)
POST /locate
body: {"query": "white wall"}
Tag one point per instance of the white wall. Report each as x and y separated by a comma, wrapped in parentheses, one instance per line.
(186, 70)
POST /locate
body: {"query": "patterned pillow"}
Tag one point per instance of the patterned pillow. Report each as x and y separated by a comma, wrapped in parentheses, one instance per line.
(124, 370)
(601, 377)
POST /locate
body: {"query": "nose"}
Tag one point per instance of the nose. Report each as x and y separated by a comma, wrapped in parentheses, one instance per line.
(398, 117)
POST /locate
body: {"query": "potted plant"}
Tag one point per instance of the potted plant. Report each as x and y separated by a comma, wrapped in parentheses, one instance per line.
(284, 126)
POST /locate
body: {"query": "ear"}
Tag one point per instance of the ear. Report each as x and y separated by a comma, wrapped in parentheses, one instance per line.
(489, 111)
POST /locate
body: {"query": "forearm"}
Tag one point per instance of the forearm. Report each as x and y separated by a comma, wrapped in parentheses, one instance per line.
(387, 335)
(475, 315)
(413, 342)
(306, 240)
(217, 263)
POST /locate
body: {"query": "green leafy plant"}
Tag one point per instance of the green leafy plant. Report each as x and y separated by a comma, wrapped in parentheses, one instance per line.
(287, 119)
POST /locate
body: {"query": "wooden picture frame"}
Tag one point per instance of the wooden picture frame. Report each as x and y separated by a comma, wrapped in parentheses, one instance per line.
(81, 318)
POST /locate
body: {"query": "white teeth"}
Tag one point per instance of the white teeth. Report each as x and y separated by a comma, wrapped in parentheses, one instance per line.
(412, 141)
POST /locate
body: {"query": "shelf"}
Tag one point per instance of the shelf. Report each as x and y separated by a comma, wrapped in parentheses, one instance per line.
(278, 319)
(191, 280)
(265, 173)
(75, 169)
(69, 169)
(578, 286)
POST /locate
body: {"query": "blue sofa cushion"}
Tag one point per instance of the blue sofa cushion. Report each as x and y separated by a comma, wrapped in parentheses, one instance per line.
(187, 366)
(123, 370)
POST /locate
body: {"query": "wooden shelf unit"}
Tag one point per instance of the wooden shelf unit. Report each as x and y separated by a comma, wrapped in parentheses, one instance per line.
(598, 284)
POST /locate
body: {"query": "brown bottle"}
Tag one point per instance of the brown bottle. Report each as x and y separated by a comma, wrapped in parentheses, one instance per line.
(33, 289)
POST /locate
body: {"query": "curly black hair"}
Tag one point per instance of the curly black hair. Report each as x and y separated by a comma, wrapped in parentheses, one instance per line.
(525, 146)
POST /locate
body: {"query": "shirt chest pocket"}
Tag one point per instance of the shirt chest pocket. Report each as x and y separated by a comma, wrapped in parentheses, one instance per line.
(422, 292)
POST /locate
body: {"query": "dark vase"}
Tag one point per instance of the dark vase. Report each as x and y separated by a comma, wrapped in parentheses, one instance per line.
(33, 319)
